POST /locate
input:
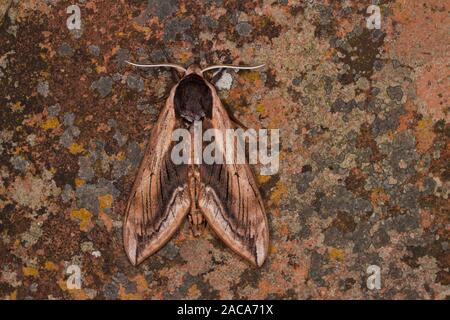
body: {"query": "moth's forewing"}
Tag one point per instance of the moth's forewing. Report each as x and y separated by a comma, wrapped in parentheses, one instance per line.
(230, 199)
(159, 200)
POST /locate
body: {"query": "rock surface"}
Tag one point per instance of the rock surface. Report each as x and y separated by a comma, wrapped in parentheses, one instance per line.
(364, 171)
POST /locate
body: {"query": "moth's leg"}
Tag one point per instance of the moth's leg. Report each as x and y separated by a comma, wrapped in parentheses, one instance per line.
(195, 216)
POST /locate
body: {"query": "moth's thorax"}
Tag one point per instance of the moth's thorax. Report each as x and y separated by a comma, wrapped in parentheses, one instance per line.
(194, 69)
(193, 97)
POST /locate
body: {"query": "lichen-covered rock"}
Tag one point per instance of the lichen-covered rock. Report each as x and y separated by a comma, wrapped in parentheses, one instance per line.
(362, 114)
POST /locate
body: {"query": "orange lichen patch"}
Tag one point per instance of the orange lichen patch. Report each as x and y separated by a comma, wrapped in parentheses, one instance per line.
(142, 29)
(141, 283)
(50, 123)
(78, 294)
(378, 196)
(432, 88)
(422, 30)
(343, 28)
(193, 292)
(284, 229)
(76, 148)
(30, 272)
(105, 201)
(275, 212)
(13, 295)
(405, 119)
(265, 288)
(424, 135)
(84, 216)
(50, 266)
(278, 193)
(79, 182)
(426, 219)
(336, 254)
(128, 296)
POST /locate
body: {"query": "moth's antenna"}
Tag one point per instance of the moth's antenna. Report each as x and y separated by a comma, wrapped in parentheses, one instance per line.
(229, 66)
(169, 65)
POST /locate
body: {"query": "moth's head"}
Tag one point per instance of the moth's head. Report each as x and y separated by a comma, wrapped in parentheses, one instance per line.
(193, 68)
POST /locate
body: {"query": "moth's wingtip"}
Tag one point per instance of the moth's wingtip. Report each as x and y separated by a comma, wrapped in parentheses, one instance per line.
(262, 249)
(132, 256)
(130, 246)
(259, 260)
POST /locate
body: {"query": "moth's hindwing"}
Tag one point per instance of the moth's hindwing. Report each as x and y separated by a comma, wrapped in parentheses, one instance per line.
(160, 199)
(230, 200)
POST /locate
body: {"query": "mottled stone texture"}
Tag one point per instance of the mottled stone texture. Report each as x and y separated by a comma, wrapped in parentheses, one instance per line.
(364, 146)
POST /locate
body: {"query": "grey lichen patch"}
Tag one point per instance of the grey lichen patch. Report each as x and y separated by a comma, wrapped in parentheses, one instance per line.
(178, 27)
(43, 88)
(94, 50)
(244, 28)
(33, 191)
(103, 86)
(19, 163)
(162, 8)
(363, 167)
(135, 82)
(395, 93)
(65, 50)
(33, 234)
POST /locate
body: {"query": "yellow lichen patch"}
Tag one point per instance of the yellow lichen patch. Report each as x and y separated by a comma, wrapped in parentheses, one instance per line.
(260, 108)
(50, 123)
(13, 295)
(128, 296)
(119, 156)
(278, 193)
(424, 135)
(251, 76)
(262, 179)
(84, 216)
(336, 254)
(100, 69)
(79, 182)
(18, 106)
(30, 272)
(50, 266)
(77, 294)
(105, 201)
(183, 56)
(272, 249)
(76, 148)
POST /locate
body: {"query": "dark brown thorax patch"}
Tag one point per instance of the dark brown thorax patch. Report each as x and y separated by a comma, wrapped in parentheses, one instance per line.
(193, 99)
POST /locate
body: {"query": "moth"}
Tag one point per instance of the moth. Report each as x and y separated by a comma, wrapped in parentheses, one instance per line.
(224, 196)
